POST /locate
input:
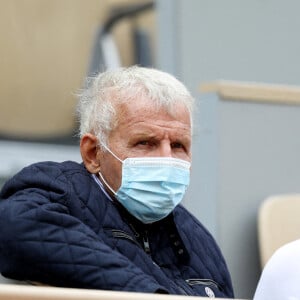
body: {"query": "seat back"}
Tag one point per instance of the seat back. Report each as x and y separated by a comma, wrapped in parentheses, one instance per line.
(44, 51)
(278, 223)
(45, 54)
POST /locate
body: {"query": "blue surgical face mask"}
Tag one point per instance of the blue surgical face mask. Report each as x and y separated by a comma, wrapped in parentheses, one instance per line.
(151, 186)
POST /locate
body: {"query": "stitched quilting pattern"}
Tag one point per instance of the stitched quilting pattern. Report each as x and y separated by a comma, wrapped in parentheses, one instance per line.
(56, 228)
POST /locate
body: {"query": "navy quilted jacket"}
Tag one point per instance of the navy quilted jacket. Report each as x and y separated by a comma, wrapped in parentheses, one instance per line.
(59, 228)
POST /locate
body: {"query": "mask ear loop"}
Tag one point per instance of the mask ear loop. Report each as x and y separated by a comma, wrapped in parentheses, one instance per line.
(101, 176)
(114, 155)
(105, 182)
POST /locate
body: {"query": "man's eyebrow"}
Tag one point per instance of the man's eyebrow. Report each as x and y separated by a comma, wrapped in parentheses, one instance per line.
(139, 135)
(143, 132)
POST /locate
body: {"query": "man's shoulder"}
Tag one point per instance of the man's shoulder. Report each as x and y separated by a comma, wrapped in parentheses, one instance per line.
(53, 168)
(45, 174)
(59, 182)
(65, 165)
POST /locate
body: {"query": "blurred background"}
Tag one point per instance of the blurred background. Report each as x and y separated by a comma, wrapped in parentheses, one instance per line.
(246, 147)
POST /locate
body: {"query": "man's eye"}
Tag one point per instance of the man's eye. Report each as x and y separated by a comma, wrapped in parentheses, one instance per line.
(143, 143)
(177, 145)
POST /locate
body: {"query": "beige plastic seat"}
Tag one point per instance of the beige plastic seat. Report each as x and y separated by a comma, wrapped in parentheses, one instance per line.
(278, 223)
(45, 49)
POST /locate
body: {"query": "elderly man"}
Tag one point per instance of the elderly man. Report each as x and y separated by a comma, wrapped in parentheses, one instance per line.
(114, 222)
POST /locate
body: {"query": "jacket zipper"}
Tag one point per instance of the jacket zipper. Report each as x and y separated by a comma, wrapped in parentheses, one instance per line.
(146, 243)
(123, 235)
(207, 282)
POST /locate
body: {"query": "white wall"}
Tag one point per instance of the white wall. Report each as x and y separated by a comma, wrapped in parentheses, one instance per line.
(250, 40)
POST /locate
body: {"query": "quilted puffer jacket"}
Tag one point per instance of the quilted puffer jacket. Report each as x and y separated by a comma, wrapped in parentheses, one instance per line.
(58, 227)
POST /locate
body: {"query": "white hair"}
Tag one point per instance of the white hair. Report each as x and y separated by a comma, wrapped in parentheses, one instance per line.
(97, 111)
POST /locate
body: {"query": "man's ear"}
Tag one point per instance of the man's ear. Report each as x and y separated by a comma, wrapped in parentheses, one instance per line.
(90, 152)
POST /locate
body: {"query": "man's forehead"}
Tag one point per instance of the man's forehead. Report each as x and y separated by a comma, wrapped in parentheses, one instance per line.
(142, 109)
